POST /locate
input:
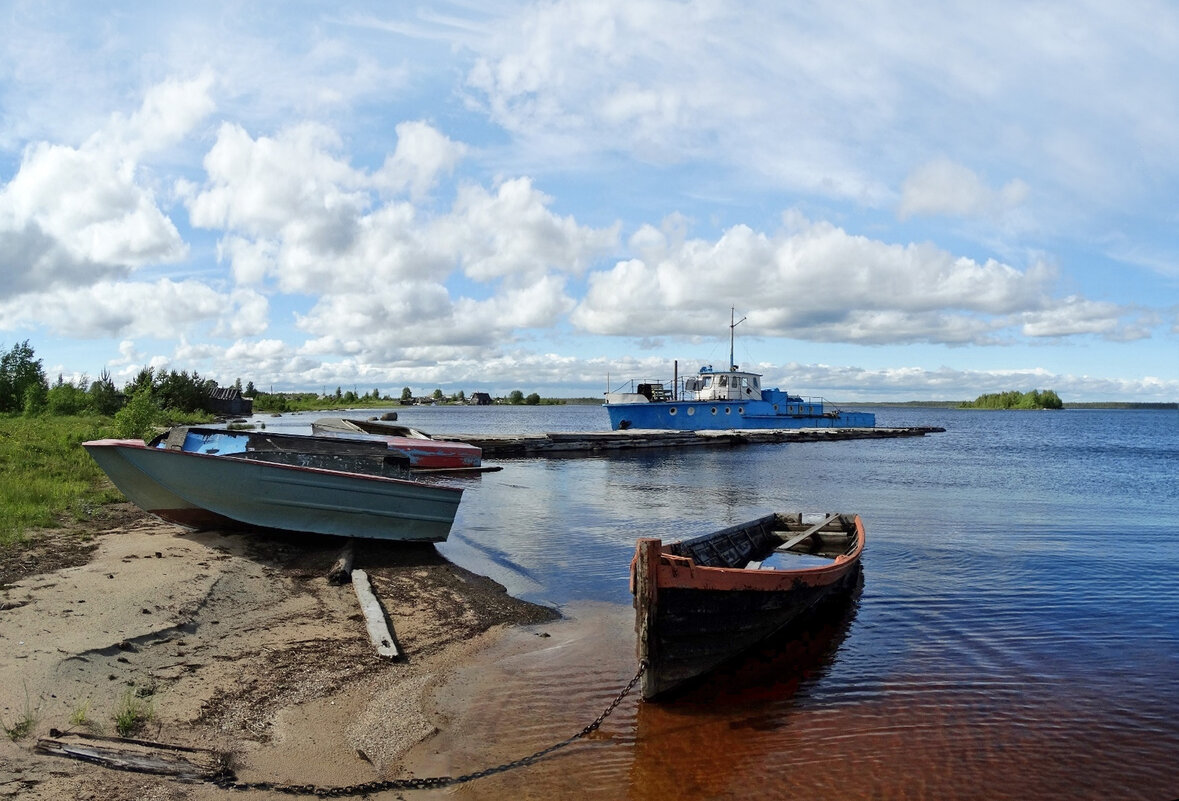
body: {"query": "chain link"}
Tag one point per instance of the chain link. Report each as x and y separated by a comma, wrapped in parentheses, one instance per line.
(228, 782)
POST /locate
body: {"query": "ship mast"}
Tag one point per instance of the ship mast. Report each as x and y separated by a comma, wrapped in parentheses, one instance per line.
(732, 325)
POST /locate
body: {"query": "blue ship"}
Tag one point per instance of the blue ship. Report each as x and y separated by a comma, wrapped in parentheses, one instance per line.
(722, 400)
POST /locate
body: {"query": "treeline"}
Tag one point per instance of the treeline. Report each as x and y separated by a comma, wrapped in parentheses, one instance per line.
(1036, 399)
(149, 399)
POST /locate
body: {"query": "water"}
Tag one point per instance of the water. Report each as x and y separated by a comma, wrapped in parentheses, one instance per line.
(1016, 635)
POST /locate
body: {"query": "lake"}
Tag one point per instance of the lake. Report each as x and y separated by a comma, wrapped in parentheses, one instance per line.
(1016, 634)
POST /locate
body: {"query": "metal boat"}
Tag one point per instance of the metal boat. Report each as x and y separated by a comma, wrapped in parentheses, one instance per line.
(720, 400)
(290, 487)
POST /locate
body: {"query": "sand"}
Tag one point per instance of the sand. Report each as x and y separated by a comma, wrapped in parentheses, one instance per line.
(234, 643)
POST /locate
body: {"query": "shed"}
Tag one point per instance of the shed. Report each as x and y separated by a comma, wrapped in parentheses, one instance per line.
(228, 401)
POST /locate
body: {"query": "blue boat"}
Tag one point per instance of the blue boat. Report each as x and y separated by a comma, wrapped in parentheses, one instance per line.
(722, 400)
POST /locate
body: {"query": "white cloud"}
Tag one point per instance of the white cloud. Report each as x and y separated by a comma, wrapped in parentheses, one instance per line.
(944, 187)
(811, 281)
(422, 155)
(513, 234)
(78, 215)
(164, 309)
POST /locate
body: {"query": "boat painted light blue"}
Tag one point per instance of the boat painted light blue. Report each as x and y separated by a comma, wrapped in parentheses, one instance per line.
(721, 400)
(203, 490)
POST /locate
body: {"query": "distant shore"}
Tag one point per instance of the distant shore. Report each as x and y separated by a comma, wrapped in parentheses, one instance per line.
(938, 404)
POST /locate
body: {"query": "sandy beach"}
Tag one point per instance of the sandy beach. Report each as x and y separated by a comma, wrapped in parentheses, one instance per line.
(235, 644)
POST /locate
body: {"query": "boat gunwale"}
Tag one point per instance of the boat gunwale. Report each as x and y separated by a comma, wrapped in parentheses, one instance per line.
(683, 572)
(138, 444)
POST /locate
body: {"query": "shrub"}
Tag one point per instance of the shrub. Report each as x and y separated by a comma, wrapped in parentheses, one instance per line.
(138, 417)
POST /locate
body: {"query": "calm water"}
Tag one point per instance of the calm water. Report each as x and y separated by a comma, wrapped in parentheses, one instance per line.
(1016, 635)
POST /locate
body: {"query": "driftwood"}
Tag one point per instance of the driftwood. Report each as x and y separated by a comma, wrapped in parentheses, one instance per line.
(379, 630)
(138, 756)
(341, 571)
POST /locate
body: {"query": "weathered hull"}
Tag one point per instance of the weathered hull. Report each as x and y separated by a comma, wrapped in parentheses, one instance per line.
(724, 415)
(691, 617)
(204, 491)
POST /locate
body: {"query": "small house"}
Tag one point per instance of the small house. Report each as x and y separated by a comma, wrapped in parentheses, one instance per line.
(228, 402)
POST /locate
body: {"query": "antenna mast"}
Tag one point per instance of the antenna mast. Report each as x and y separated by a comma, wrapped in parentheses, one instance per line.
(732, 325)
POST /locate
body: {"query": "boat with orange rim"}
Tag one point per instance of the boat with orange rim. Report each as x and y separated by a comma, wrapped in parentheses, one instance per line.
(700, 602)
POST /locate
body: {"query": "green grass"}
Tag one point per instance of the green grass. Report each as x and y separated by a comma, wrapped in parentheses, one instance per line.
(23, 726)
(134, 711)
(45, 474)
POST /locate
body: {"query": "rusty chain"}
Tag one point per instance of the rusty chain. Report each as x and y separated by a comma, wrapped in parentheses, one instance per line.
(228, 782)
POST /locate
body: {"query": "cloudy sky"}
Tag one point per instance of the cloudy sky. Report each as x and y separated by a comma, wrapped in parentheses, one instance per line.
(903, 200)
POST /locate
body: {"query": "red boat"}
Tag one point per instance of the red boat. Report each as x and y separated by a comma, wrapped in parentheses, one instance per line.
(420, 450)
(702, 601)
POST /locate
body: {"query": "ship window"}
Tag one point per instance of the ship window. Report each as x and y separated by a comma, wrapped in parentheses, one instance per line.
(728, 409)
(724, 380)
(714, 410)
(671, 410)
(740, 410)
(775, 408)
(691, 411)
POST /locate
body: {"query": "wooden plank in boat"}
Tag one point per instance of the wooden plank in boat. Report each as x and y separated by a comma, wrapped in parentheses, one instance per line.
(790, 543)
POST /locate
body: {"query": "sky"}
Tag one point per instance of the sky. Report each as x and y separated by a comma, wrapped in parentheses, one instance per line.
(899, 200)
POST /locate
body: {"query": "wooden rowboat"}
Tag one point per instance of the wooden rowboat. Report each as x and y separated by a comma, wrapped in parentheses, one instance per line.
(702, 601)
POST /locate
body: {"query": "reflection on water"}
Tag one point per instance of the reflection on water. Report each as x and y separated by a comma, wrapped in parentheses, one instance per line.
(1017, 635)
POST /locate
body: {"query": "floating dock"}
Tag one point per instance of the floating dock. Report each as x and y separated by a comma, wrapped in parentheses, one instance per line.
(502, 446)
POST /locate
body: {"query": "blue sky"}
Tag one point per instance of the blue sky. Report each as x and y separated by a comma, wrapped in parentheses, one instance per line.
(904, 200)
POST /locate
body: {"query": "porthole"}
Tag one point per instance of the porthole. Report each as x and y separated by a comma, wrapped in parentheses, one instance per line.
(740, 410)
(671, 411)
(728, 410)
(714, 410)
(691, 411)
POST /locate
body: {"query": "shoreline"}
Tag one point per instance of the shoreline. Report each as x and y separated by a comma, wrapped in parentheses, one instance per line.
(236, 643)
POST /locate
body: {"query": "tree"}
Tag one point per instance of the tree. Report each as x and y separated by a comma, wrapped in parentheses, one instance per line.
(104, 398)
(438, 395)
(515, 397)
(532, 400)
(67, 398)
(250, 391)
(406, 395)
(19, 372)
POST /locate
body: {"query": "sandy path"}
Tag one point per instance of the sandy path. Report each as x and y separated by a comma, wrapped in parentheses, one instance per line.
(238, 644)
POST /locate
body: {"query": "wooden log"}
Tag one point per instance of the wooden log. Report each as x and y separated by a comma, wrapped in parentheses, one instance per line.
(375, 620)
(341, 571)
(138, 756)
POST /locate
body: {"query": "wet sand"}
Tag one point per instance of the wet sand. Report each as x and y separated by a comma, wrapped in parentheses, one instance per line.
(238, 644)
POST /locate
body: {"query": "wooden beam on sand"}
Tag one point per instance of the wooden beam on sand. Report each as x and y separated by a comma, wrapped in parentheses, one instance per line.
(138, 756)
(379, 630)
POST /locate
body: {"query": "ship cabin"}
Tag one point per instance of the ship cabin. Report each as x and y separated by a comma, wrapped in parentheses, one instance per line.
(710, 385)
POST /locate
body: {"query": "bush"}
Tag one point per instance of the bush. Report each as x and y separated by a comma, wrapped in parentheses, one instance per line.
(67, 399)
(139, 417)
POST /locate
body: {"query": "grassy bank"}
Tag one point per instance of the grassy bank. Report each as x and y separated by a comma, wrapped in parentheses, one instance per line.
(46, 477)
